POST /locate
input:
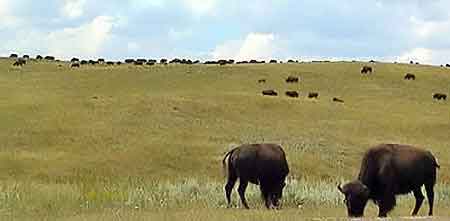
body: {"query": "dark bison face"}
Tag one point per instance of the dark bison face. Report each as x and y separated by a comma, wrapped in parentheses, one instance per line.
(356, 197)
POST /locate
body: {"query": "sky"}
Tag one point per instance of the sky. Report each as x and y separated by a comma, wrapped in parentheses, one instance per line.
(385, 30)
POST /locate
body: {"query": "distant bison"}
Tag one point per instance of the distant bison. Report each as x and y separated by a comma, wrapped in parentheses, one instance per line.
(73, 60)
(261, 164)
(273, 61)
(101, 60)
(39, 57)
(129, 61)
(261, 81)
(366, 70)
(110, 63)
(49, 58)
(75, 65)
(13, 56)
(83, 62)
(447, 65)
(20, 62)
(409, 76)
(292, 79)
(335, 99)
(388, 170)
(313, 95)
(439, 96)
(294, 94)
(138, 63)
(270, 93)
(26, 57)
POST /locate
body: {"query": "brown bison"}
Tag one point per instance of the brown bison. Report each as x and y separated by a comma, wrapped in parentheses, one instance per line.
(262, 81)
(20, 62)
(75, 65)
(439, 96)
(261, 164)
(292, 79)
(270, 93)
(388, 170)
(294, 94)
(409, 76)
(313, 95)
(366, 70)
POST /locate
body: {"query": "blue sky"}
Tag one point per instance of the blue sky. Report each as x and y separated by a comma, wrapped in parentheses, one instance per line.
(391, 30)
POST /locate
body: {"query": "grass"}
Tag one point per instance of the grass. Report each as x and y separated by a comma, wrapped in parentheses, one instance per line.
(136, 143)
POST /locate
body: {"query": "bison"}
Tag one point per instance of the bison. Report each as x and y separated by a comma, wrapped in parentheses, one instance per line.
(294, 94)
(409, 76)
(292, 79)
(73, 60)
(366, 70)
(261, 164)
(269, 93)
(75, 65)
(39, 57)
(129, 61)
(313, 95)
(388, 170)
(49, 58)
(273, 61)
(439, 96)
(262, 81)
(20, 62)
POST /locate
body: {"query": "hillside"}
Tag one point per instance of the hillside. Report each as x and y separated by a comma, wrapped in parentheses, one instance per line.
(82, 132)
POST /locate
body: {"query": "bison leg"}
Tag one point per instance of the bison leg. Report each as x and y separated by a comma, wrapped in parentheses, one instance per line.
(430, 196)
(419, 199)
(241, 190)
(386, 205)
(229, 186)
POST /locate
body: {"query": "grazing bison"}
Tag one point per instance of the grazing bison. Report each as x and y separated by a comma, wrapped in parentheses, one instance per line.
(101, 60)
(447, 65)
(26, 57)
(273, 61)
(335, 99)
(366, 70)
(269, 93)
(313, 95)
(75, 65)
(20, 62)
(261, 164)
(138, 63)
(439, 96)
(388, 170)
(409, 76)
(261, 81)
(13, 56)
(39, 57)
(84, 62)
(129, 61)
(73, 60)
(49, 58)
(292, 94)
(110, 63)
(292, 79)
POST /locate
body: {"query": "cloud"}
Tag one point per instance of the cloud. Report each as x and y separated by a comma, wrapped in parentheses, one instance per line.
(254, 46)
(201, 7)
(73, 8)
(85, 40)
(7, 19)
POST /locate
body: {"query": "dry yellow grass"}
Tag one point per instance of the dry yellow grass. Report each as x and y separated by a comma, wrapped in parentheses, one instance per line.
(96, 134)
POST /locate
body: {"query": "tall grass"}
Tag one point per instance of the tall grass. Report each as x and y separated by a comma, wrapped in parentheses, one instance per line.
(28, 198)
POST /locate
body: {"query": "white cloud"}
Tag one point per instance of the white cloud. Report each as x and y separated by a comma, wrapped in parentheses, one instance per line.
(426, 56)
(132, 46)
(201, 7)
(254, 46)
(86, 40)
(7, 19)
(73, 8)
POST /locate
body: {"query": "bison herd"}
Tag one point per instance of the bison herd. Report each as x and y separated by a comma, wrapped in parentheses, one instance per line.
(387, 170)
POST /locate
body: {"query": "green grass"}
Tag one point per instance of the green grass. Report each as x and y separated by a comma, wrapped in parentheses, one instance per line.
(147, 142)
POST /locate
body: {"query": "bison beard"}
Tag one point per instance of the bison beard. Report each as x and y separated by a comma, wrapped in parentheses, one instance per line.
(388, 170)
(261, 164)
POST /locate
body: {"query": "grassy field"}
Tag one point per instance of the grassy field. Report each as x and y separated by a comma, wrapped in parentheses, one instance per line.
(146, 143)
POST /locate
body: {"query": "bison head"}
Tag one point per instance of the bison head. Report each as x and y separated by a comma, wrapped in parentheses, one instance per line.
(356, 197)
(272, 194)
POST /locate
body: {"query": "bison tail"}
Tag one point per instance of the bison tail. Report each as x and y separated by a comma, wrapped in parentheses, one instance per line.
(224, 161)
